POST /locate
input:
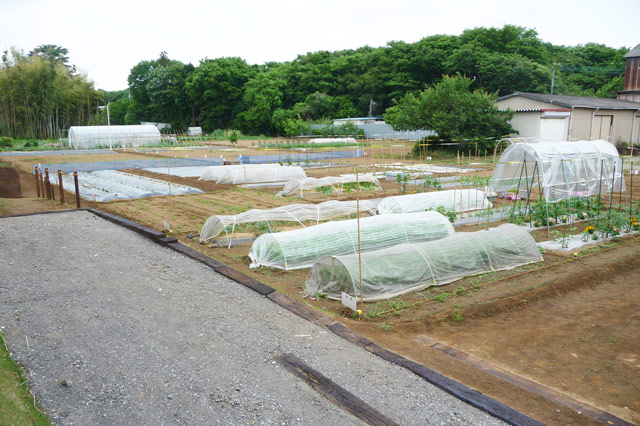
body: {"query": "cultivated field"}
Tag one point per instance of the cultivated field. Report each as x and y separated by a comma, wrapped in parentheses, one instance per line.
(535, 338)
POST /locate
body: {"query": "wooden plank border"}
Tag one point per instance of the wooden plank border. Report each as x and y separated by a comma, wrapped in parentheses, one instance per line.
(333, 392)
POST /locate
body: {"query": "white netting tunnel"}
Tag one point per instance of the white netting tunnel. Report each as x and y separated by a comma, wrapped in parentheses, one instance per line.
(560, 169)
(107, 185)
(243, 174)
(295, 186)
(215, 172)
(333, 140)
(405, 268)
(459, 200)
(314, 213)
(300, 248)
(133, 136)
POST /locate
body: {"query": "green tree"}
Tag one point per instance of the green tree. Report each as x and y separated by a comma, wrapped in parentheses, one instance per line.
(453, 111)
(216, 89)
(39, 96)
(262, 96)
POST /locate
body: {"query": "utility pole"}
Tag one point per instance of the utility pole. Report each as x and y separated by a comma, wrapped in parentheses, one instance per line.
(553, 77)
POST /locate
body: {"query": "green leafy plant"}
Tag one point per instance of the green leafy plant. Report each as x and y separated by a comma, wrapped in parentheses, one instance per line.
(383, 326)
(456, 316)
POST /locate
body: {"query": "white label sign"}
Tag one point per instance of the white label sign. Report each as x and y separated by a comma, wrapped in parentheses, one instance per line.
(349, 301)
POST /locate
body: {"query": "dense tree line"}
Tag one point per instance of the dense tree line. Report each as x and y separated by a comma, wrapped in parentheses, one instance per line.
(279, 98)
(41, 94)
(273, 98)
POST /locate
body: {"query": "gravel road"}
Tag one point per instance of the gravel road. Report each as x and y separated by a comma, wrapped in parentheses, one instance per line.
(139, 334)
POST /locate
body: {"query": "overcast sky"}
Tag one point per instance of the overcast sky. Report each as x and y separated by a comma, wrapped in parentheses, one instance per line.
(107, 38)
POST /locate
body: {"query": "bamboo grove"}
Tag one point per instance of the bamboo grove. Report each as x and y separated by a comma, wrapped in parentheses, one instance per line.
(41, 96)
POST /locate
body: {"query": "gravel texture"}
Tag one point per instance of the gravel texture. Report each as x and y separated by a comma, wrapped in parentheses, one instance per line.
(114, 329)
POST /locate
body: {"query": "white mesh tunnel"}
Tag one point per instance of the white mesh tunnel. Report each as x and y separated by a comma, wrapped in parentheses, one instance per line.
(83, 137)
(405, 268)
(215, 172)
(300, 213)
(337, 183)
(560, 169)
(457, 200)
(241, 174)
(300, 248)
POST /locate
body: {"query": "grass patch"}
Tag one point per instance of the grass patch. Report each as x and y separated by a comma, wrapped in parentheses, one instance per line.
(17, 406)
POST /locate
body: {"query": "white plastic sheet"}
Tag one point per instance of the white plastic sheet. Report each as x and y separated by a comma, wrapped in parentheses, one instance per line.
(302, 247)
(301, 213)
(332, 140)
(253, 173)
(215, 172)
(460, 200)
(410, 267)
(561, 169)
(107, 185)
(295, 186)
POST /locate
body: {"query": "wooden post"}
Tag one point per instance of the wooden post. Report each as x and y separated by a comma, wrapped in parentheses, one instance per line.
(61, 187)
(37, 181)
(47, 186)
(75, 181)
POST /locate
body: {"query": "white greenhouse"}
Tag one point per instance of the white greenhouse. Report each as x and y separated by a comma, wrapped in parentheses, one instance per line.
(460, 200)
(560, 170)
(300, 248)
(410, 267)
(336, 183)
(300, 213)
(86, 137)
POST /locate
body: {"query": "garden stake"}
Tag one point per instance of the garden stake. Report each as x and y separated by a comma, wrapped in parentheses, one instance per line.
(631, 191)
(620, 184)
(524, 168)
(599, 193)
(46, 184)
(529, 189)
(611, 193)
(42, 184)
(75, 181)
(37, 182)
(359, 252)
(61, 188)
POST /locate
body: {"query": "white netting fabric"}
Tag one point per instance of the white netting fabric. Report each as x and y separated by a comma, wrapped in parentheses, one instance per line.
(332, 140)
(107, 185)
(459, 200)
(302, 247)
(295, 186)
(314, 213)
(215, 172)
(561, 169)
(242, 174)
(410, 267)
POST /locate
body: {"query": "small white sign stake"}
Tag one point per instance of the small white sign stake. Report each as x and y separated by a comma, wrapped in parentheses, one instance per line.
(349, 301)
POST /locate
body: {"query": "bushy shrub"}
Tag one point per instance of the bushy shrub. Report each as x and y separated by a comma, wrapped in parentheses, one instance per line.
(6, 142)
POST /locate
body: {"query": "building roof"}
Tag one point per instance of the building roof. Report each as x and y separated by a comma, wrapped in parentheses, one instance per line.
(633, 53)
(577, 101)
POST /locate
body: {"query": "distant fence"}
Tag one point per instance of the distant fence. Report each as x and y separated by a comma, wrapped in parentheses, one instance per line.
(299, 157)
(382, 130)
(293, 157)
